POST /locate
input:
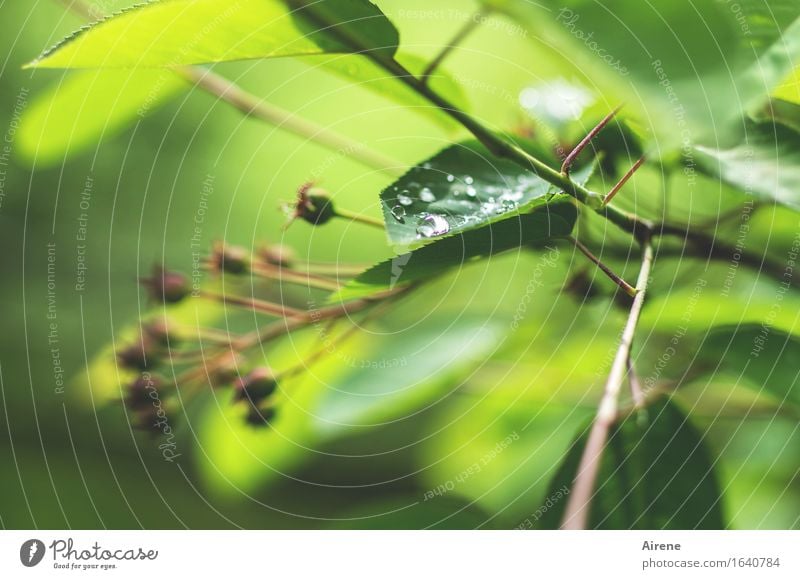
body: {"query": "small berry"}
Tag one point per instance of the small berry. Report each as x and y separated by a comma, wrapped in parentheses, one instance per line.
(139, 356)
(231, 259)
(226, 371)
(313, 205)
(139, 392)
(260, 417)
(256, 386)
(159, 332)
(279, 255)
(166, 286)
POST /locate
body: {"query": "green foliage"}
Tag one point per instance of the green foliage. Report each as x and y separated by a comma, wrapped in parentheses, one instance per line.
(479, 380)
(547, 221)
(179, 32)
(671, 61)
(655, 474)
(84, 107)
(765, 163)
(762, 357)
(460, 189)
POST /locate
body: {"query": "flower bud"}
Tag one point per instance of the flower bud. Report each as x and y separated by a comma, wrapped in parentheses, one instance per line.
(260, 417)
(256, 386)
(231, 259)
(166, 286)
(277, 254)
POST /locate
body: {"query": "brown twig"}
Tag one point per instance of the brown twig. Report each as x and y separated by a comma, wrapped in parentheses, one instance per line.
(565, 166)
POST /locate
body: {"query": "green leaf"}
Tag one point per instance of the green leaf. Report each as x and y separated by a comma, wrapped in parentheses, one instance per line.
(365, 73)
(84, 107)
(766, 163)
(657, 475)
(500, 450)
(547, 221)
(378, 390)
(461, 188)
(686, 67)
(763, 357)
(171, 33)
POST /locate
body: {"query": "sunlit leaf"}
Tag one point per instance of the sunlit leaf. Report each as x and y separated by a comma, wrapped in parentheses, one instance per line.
(178, 32)
(766, 163)
(84, 107)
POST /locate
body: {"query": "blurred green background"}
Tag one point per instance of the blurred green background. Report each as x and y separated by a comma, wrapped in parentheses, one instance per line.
(463, 383)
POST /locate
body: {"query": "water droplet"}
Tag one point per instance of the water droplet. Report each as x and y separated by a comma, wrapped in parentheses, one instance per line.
(451, 178)
(433, 225)
(513, 196)
(427, 195)
(405, 200)
(469, 180)
(399, 212)
(471, 191)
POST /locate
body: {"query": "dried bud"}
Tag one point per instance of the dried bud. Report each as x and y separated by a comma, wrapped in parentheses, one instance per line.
(279, 255)
(141, 355)
(226, 371)
(260, 417)
(166, 286)
(231, 259)
(159, 332)
(141, 393)
(313, 205)
(581, 287)
(256, 386)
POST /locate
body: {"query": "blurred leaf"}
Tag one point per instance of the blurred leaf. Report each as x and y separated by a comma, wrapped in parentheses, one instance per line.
(179, 32)
(548, 220)
(715, 297)
(461, 188)
(379, 390)
(499, 450)
(671, 61)
(763, 357)
(82, 108)
(766, 163)
(659, 475)
(340, 396)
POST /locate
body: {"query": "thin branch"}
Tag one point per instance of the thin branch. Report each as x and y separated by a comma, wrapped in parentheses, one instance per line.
(461, 34)
(565, 166)
(631, 291)
(254, 304)
(252, 106)
(360, 218)
(622, 181)
(295, 277)
(576, 515)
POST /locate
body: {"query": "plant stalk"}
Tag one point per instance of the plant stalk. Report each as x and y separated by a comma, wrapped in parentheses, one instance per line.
(576, 515)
